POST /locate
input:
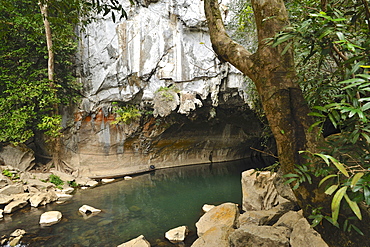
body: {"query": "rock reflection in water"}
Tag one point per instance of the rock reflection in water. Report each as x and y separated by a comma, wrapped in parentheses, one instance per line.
(148, 204)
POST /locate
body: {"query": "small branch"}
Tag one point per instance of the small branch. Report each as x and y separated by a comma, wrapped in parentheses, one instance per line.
(261, 151)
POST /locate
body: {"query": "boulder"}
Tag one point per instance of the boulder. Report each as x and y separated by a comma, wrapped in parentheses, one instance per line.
(42, 198)
(38, 184)
(214, 236)
(21, 197)
(127, 177)
(20, 157)
(177, 234)
(14, 205)
(12, 189)
(303, 235)
(258, 190)
(4, 181)
(266, 217)
(62, 196)
(136, 242)
(262, 236)
(282, 188)
(50, 218)
(289, 219)
(225, 214)
(87, 210)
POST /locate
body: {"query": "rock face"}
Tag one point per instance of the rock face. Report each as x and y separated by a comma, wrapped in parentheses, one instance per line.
(194, 108)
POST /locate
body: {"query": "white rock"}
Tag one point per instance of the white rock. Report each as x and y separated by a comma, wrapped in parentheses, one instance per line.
(42, 198)
(50, 218)
(177, 234)
(1, 214)
(136, 242)
(12, 189)
(92, 183)
(5, 199)
(63, 196)
(127, 178)
(107, 180)
(14, 205)
(86, 209)
(207, 207)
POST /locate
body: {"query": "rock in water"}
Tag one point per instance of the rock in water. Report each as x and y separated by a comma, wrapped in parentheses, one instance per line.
(50, 218)
(136, 242)
(177, 234)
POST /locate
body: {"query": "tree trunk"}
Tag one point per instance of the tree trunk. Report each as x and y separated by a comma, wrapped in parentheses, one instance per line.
(56, 143)
(275, 78)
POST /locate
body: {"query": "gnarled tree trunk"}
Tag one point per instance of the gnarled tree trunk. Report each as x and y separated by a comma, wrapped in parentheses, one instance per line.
(275, 78)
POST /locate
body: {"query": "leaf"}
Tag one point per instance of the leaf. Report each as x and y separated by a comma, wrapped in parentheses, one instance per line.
(365, 107)
(286, 48)
(290, 181)
(331, 189)
(356, 178)
(326, 178)
(367, 195)
(335, 204)
(353, 205)
(339, 166)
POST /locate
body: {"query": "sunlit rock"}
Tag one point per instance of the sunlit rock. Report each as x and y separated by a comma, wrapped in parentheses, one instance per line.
(17, 233)
(259, 192)
(12, 189)
(14, 205)
(207, 207)
(107, 180)
(177, 234)
(136, 242)
(42, 198)
(50, 218)
(88, 211)
(303, 235)
(225, 214)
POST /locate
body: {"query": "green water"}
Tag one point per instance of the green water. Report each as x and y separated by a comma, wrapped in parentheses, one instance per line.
(148, 205)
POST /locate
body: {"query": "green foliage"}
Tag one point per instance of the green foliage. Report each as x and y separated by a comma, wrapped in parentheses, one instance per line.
(125, 114)
(11, 175)
(54, 179)
(166, 93)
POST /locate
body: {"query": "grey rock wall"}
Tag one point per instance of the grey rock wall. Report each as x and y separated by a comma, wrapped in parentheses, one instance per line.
(161, 44)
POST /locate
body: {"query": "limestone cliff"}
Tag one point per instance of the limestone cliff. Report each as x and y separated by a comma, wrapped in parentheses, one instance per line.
(194, 107)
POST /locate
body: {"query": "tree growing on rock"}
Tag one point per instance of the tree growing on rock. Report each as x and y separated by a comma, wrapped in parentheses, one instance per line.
(273, 70)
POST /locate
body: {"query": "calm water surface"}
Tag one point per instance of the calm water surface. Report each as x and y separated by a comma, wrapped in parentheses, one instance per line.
(149, 204)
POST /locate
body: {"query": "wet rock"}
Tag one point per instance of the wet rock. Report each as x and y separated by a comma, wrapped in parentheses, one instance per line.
(207, 207)
(14, 205)
(303, 235)
(177, 234)
(15, 241)
(50, 218)
(92, 183)
(224, 214)
(107, 180)
(62, 197)
(18, 233)
(259, 192)
(136, 242)
(42, 198)
(263, 236)
(87, 210)
(12, 189)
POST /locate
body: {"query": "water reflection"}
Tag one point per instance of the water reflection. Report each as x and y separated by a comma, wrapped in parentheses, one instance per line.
(149, 204)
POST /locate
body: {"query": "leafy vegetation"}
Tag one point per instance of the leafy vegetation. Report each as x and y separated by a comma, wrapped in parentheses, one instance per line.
(333, 46)
(11, 175)
(56, 180)
(125, 114)
(166, 93)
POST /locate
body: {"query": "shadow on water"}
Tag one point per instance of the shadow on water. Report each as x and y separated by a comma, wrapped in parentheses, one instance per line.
(148, 205)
